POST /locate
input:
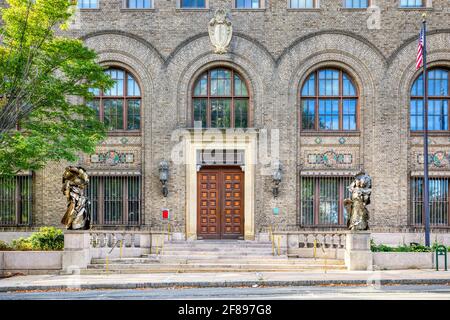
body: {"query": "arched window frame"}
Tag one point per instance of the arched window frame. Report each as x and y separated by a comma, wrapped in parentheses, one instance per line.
(419, 98)
(340, 97)
(100, 97)
(210, 97)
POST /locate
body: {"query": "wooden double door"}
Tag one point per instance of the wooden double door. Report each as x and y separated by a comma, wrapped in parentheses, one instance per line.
(220, 203)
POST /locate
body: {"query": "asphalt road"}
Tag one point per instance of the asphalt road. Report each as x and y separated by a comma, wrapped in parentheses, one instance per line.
(398, 292)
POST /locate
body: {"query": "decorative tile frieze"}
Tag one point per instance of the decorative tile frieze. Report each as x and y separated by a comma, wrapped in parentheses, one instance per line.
(329, 173)
(432, 141)
(330, 158)
(113, 158)
(339, 158)
(438, 159)
(122, 141)
(330, 140)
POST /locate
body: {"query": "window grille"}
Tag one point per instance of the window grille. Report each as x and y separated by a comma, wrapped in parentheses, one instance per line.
(115, 200)
(321, 200)
(438, 189)
(16, 200)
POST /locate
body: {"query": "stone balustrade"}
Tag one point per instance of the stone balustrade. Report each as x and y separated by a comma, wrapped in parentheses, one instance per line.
(308, 244)
(307, 239)
(110, 239)
(119, 243)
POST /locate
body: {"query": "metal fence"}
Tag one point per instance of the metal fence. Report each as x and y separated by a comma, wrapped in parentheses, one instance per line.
(16, 195)
(115, 200)
(321, 200)
(438, 200)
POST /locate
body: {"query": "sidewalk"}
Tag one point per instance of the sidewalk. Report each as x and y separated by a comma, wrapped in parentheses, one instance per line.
(166, 280)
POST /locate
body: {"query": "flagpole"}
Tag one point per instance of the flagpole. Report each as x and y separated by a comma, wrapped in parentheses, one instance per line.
(426, 191)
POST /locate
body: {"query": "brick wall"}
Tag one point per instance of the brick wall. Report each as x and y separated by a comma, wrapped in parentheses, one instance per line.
(274, 49)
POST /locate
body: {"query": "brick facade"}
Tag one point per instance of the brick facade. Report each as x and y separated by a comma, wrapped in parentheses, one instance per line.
(274, 49)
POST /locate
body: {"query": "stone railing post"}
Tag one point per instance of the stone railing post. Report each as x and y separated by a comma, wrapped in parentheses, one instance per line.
(145, 241)
(76, 254)
(357, 251)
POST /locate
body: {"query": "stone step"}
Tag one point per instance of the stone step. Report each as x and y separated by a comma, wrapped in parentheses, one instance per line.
(211, 270)
(157, 268)
(217, 261)
(214, 246)
(132, 262)
(196, 244)
(208, 257)
(143, 260)
(219, 242)
(250, 261)
(214, 252)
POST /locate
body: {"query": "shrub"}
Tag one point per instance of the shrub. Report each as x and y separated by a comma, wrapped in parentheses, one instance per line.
(4, 246)
(22, 244)
(380, 247)
(413, 247)
(48, 238)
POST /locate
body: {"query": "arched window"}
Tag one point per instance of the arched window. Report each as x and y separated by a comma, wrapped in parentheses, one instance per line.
(329, 101)
(119, 107)
(220, 99)
(438, 101)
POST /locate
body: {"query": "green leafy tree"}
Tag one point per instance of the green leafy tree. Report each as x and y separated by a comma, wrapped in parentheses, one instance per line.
(45, 85)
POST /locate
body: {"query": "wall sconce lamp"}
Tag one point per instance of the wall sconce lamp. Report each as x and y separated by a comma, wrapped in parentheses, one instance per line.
(164, 176)
(277, 176)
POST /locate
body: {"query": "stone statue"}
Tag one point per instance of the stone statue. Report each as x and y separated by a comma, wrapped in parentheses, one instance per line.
(358, 215)
(75, 179)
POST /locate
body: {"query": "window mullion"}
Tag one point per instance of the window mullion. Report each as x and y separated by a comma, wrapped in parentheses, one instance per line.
(448, 102)
(316, 107)
(341, 204)
(448, 202)
(125, 106)
(101, 109)
(232, 118)
(208, 99)
(341, 99)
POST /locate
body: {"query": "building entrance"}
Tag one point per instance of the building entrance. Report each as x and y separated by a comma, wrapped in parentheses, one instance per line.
(220, 203)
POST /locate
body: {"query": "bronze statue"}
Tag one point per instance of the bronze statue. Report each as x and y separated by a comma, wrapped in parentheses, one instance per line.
(358, 215)
(75, 179)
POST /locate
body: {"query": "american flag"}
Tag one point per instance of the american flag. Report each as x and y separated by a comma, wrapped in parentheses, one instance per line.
(419, 60)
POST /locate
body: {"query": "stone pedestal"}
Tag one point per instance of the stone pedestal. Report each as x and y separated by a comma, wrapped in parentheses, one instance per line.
(145, 240)
(357, 251)
(76, 254)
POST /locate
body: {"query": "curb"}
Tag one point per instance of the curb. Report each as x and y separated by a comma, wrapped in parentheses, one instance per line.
(178, 284)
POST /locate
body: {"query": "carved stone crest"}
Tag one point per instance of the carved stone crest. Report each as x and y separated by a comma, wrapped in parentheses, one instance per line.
(220, 31)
